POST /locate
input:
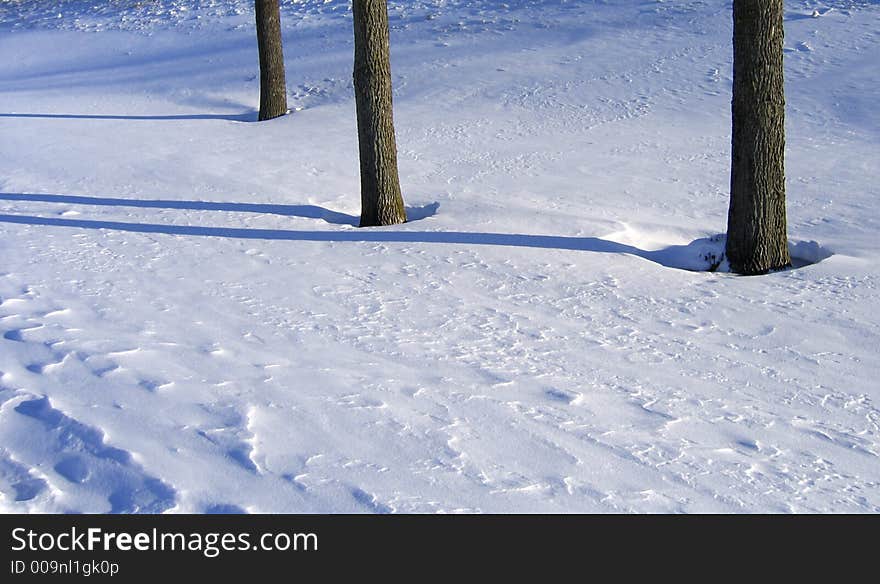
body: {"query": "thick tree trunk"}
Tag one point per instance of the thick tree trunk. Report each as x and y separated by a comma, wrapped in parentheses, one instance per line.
(756, 226)
(273, 88)
(381, 201)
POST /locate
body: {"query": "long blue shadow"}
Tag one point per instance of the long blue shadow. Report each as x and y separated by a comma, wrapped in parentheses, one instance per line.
(697, 255)
(306, 211)
(670, 257)
(359, 235)
(250, 116)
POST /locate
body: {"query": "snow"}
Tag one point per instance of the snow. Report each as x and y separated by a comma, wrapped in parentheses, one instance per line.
(191, 321)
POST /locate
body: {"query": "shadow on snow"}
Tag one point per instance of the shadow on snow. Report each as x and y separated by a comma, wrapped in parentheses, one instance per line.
(250, 116)
(699, 255)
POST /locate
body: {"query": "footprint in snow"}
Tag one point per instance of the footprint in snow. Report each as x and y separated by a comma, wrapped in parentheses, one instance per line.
(73, 468)
(17, 480)
(370, 501)
(81, 456)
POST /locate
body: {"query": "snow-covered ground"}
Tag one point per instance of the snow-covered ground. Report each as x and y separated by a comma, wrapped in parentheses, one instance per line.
(191, 322)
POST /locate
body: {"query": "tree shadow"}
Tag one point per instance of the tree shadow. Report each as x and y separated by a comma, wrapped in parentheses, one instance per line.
(249, 116)
(701, 255)
(666, 257)
(423, 212)
(305, 211)
(147, 64)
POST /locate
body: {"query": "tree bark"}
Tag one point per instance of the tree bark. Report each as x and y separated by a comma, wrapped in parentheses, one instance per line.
(757, 239)
(381, 200)
(273, 88)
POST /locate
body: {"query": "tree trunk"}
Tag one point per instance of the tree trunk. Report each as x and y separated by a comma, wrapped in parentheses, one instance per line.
(381, 201)
(273, 89)
(756, 225)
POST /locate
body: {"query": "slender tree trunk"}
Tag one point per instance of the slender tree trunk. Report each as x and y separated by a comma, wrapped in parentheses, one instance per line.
(273, 89)
(381, 201)
(757, 239)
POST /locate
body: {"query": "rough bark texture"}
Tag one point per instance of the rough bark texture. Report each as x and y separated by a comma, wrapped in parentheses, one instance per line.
(273, 88)
(756, 227)
(381, 201)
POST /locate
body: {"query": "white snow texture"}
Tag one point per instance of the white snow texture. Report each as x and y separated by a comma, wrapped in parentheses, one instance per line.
(190, 320)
